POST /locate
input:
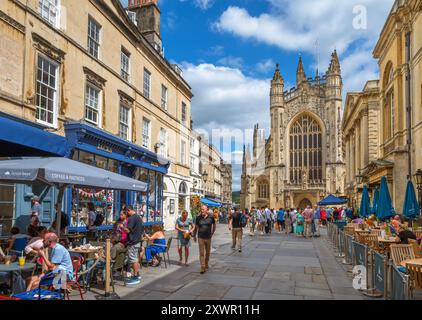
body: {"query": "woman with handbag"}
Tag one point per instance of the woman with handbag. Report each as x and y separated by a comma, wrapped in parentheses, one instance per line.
(184, 227)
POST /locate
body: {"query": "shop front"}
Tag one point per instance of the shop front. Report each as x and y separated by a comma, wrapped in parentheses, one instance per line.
(20, 138)
(98, 148)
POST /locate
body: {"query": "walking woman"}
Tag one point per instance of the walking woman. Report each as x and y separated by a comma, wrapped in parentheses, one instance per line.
(184, 227)
(300, 228)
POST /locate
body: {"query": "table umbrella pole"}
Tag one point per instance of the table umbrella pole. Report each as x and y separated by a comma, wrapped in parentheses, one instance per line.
(59, 209)
(107, 271)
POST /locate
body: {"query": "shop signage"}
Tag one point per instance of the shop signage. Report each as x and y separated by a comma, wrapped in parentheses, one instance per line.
(105, 148)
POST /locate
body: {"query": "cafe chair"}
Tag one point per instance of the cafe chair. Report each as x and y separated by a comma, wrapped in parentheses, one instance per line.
(166, 252)
(415, 273)
(378, 232)
(401, 252)
(77, 264)
(416, 248)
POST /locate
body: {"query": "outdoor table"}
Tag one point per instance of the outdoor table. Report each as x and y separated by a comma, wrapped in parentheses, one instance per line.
(388, 242)
(10, 268)
(412, 261)
(75, 237)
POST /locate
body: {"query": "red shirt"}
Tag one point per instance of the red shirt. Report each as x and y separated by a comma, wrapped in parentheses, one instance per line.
(323, 215)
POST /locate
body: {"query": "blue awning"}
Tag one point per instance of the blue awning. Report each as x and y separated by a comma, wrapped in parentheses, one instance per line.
(18, 135)
(86, 137)
(210, 203)
(331, 200)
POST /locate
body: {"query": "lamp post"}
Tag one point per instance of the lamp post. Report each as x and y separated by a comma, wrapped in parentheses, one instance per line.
(418, 178)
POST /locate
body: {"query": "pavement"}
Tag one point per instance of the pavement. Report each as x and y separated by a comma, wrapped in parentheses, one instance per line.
(270, 267)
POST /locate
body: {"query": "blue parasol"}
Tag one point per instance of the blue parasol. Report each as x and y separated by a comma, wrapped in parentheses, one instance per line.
(365, 207)
(411, 208)
(385, 208)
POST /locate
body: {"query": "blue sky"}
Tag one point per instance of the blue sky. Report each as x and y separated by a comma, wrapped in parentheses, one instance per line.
(228, 50)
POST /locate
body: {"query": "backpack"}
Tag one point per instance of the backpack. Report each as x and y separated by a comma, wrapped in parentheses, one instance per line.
(99, 219)
(243, 220)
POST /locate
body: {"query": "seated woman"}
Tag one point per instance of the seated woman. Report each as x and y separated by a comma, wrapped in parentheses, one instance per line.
(36, 244)
(159, 245)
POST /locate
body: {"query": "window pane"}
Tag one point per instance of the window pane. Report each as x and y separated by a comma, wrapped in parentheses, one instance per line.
(46, 90)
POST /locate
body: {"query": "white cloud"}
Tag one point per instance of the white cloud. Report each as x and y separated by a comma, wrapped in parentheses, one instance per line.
(228, 100)
(233, 62)
(298, 25)
(202, 4)
(265, 65)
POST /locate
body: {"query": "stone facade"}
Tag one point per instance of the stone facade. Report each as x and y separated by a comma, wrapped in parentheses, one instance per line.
(66, 37)
(302, 160)
(399, 55)
(361, 138)
(226, 175)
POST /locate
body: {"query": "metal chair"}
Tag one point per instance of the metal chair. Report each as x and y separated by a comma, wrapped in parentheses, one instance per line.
(165, 253)
(401, 252)
(76, 263)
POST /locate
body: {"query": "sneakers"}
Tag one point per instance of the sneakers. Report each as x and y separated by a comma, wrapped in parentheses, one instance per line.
(240, 249)
(133, 281)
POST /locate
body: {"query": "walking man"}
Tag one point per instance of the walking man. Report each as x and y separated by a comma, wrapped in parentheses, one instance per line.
(252, 221)
(268, 216)
(317, 219)
(280, 220)
(308, 216)
(204, 229)
(236, 227)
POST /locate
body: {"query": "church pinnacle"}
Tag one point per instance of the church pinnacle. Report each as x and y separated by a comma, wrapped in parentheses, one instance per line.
(300, 73)
(335, 63)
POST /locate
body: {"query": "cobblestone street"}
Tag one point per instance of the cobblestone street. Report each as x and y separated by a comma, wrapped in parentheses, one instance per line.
(274, 267)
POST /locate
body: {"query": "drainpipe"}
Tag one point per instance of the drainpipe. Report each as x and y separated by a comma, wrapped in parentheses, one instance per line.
(408, 105)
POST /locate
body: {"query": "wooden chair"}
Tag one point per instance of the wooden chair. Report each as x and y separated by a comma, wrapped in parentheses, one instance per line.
(416, 248)
(349, 229)
(378, 232)
(371, 240)
(401, 252)
(415, 273)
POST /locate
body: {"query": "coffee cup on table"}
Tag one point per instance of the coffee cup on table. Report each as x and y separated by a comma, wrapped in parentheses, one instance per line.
(7, 260)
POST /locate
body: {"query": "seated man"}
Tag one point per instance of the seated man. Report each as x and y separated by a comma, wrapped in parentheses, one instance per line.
(116, 249)
(58, 260)
(405, 234)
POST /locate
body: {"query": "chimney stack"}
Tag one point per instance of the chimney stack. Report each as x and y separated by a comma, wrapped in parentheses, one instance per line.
(148, 18)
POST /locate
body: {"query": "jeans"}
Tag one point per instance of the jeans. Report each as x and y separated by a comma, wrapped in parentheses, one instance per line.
(204, 252)
(100, 265)
(316, 222)
(237, 234)
(308, 229)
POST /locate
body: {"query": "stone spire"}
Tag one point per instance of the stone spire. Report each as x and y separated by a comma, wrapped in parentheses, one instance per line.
(300, 73)
(334, 64)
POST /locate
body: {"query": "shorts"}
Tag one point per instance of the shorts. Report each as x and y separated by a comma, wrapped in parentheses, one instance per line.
(133, 253)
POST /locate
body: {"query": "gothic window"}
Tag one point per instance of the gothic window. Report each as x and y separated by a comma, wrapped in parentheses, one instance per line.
(263, 190)
(305, 151)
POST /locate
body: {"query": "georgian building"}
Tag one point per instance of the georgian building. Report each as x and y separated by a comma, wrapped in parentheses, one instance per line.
(361, 139)
(302, 160)
(226, 190)
(95, 73)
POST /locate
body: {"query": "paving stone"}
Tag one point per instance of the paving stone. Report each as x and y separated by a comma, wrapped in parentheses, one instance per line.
(276, 286)
(239, 272)
(313, 270)
(279, 268)
(285, 276)
(300, 277)
(271, 296)
(313, 292)
(217, 291)
(240, 293)
(155, 295)
(312, 285)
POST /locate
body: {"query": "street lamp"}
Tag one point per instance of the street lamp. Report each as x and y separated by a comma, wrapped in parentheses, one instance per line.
(418, 178)
(359, 178)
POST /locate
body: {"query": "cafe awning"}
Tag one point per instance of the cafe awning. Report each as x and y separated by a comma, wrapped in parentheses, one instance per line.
(63, 171)
(210, 203)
